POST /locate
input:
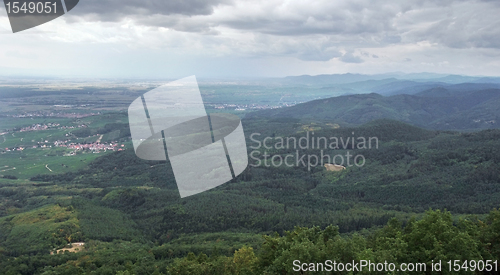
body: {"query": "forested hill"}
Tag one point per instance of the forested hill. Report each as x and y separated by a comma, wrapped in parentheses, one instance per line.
(438, 108)
(129, 213)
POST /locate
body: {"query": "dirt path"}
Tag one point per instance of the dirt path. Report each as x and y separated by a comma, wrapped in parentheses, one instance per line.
(47, 166)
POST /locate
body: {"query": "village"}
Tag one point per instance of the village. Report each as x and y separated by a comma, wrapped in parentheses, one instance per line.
(94, 147)
(48, 126)
(244, 107)
(39, 127)
(54, 114)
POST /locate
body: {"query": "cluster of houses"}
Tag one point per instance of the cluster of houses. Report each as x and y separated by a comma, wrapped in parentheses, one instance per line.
(243, 107)
(14, 149)
(74, 127)
(39, 127)
(55, 114)
(95, 147)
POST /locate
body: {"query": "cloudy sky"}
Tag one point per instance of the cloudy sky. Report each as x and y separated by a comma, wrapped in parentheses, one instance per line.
(237, 38)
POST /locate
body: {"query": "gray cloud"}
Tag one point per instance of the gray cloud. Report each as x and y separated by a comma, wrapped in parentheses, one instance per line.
(115, 10)
(178, 23)
(460, 24)
(350, 58)
(317, 55)
(360, 17)
(357, 23)
(308, 30)
(456, 36)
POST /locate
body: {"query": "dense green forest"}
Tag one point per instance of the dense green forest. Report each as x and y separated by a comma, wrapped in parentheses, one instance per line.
(435, 238)
(418, 245)
(132, 220)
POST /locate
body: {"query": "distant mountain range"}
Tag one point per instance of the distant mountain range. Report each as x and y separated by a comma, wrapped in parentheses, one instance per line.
(470, 106)
(417, 77)
(393, 83)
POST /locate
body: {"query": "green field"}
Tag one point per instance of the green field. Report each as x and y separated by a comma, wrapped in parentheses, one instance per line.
(32, 162)
(46, 158)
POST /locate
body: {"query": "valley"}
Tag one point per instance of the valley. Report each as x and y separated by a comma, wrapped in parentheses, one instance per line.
(77, 180)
